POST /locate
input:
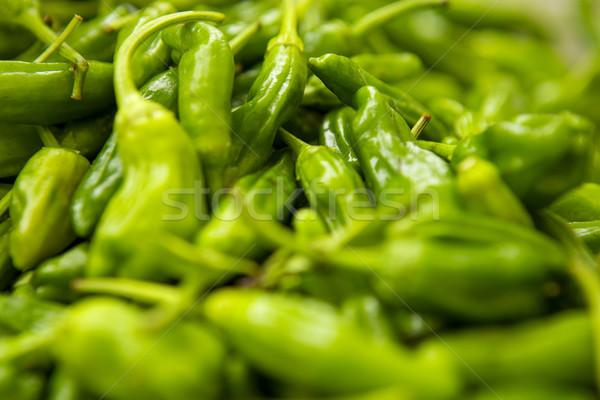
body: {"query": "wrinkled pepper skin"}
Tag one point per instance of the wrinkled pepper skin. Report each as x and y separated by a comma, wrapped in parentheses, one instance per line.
(403, 176)
(96, 189)
(40, 205)
(272, 100)
(40, 93)
(264, 193)
(206, 73)
(344, 77)
(537, 177)
(335, 133)
(312, 345)
(182, 363)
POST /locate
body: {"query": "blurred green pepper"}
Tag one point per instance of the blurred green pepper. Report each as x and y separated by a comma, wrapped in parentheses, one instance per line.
(537, 177)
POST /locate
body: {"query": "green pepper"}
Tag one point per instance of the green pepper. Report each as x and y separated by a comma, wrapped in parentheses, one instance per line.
(16, 384)
(206, 72)
(520, 353)
(537, 177)
(402, 175)
(20, 313)
(335, 133)
(7, 271)
(391, 67)
(331, 185)
(61, 270)
(479, 269)
(10, 47)
(337, 37)
(33, 93)
(163, 89)
(579, 204)
(534, 391)
(483, 191)
(159, 170)
(26, 14)
(272, 100)
(40, 205)
(265, 194)
(344, 77)
(312, 345)
(96, 189)
(182, 362)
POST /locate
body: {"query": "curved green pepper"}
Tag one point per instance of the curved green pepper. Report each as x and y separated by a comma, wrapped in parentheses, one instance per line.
(40, 205)
(312, 345)
(159, 170)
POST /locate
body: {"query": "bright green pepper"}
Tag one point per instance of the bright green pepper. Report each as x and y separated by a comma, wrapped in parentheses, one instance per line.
(537, 177)
(273, 99)
(312, 345)
(163, 89)
(40, 205)
(159, 170)
(183, 362)
(206, 72)
(579, 204)
(61, 270)
(28, 314)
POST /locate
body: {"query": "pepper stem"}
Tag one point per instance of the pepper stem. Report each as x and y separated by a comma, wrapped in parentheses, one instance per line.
(289, 24)
(380, 16)
(31, 20)
(240, 40)
(125, 89)
(5, 202)
(295, 144)
(420, 125)
(145, 292)
(47, 137)
(60, 39)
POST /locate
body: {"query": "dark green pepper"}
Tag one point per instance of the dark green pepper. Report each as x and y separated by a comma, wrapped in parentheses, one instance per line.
(344, 77)
(17, 144)
(87, 136)
(38, 93)
(163, 89)
(335, 133)
(273, 99)
(40, 205)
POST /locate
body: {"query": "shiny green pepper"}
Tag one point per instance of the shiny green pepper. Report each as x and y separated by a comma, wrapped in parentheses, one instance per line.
(335, 133)
(40, 205)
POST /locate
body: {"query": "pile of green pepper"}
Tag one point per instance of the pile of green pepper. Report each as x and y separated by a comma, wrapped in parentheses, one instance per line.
(299, 199)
